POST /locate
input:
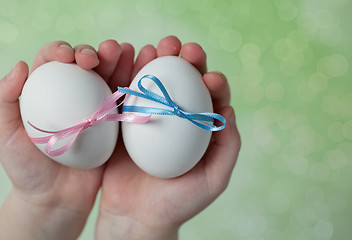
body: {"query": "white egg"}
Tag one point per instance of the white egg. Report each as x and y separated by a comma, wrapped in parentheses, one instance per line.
(169, 146)
(57, 96)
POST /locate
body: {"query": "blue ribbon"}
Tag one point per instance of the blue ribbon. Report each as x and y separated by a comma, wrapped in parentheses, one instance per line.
(203, 120)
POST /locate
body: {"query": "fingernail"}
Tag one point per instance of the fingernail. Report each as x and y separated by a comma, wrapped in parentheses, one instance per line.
(221, 74)
(65, 46)
(89, 51)
(12, 73)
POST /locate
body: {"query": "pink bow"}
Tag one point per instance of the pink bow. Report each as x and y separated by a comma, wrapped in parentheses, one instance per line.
(101, 115)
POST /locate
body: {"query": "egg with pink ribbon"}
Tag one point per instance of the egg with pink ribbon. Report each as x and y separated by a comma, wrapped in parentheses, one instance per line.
(180, 128)
(59, 96)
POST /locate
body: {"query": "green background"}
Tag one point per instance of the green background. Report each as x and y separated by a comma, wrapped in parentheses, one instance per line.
(288, 64)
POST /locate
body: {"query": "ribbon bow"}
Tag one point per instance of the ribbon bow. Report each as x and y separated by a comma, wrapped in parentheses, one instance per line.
(101, 115)
(202, 120)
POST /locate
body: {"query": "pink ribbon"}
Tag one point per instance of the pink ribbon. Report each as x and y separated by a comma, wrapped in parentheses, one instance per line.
(101, 115)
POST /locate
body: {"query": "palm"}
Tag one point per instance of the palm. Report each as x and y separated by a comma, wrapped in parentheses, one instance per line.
(129, 190)
(33, 172)
(30, 170)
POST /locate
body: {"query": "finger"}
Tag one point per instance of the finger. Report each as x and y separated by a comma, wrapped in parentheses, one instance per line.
(54, 51)
(219, 89)
(146, 54)
(194, 54)
(169, 46)
(11, 85)
(86, 56)
(123, 71)
(109, 52)
(10, 90)
(221, 156)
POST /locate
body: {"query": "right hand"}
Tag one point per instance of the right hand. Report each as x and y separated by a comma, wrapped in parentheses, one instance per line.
(49, 193)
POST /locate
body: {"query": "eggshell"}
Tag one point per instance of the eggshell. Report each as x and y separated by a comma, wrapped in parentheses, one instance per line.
(57, 96)
(169, 146)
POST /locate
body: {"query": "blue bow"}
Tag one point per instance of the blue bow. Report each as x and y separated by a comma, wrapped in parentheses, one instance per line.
(203, 120)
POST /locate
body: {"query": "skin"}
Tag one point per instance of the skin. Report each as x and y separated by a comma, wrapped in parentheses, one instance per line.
(51, 196)
(133, 204)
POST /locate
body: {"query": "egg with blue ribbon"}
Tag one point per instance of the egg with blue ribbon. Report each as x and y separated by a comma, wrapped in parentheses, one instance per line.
(178, 133)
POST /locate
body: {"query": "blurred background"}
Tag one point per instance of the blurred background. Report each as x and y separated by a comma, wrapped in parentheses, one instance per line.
(289, 66)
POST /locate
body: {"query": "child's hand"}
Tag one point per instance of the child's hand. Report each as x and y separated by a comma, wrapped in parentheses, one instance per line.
(135, 205)
(52, 201)
(48, 200)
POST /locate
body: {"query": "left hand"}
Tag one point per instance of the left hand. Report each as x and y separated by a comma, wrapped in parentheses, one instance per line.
(135, 205)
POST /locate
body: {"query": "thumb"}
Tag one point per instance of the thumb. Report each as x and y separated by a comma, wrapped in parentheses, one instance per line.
(11, 85)
(10, 90)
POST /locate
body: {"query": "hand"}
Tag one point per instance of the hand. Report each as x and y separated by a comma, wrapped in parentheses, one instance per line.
(135, 205)
(48, 200)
